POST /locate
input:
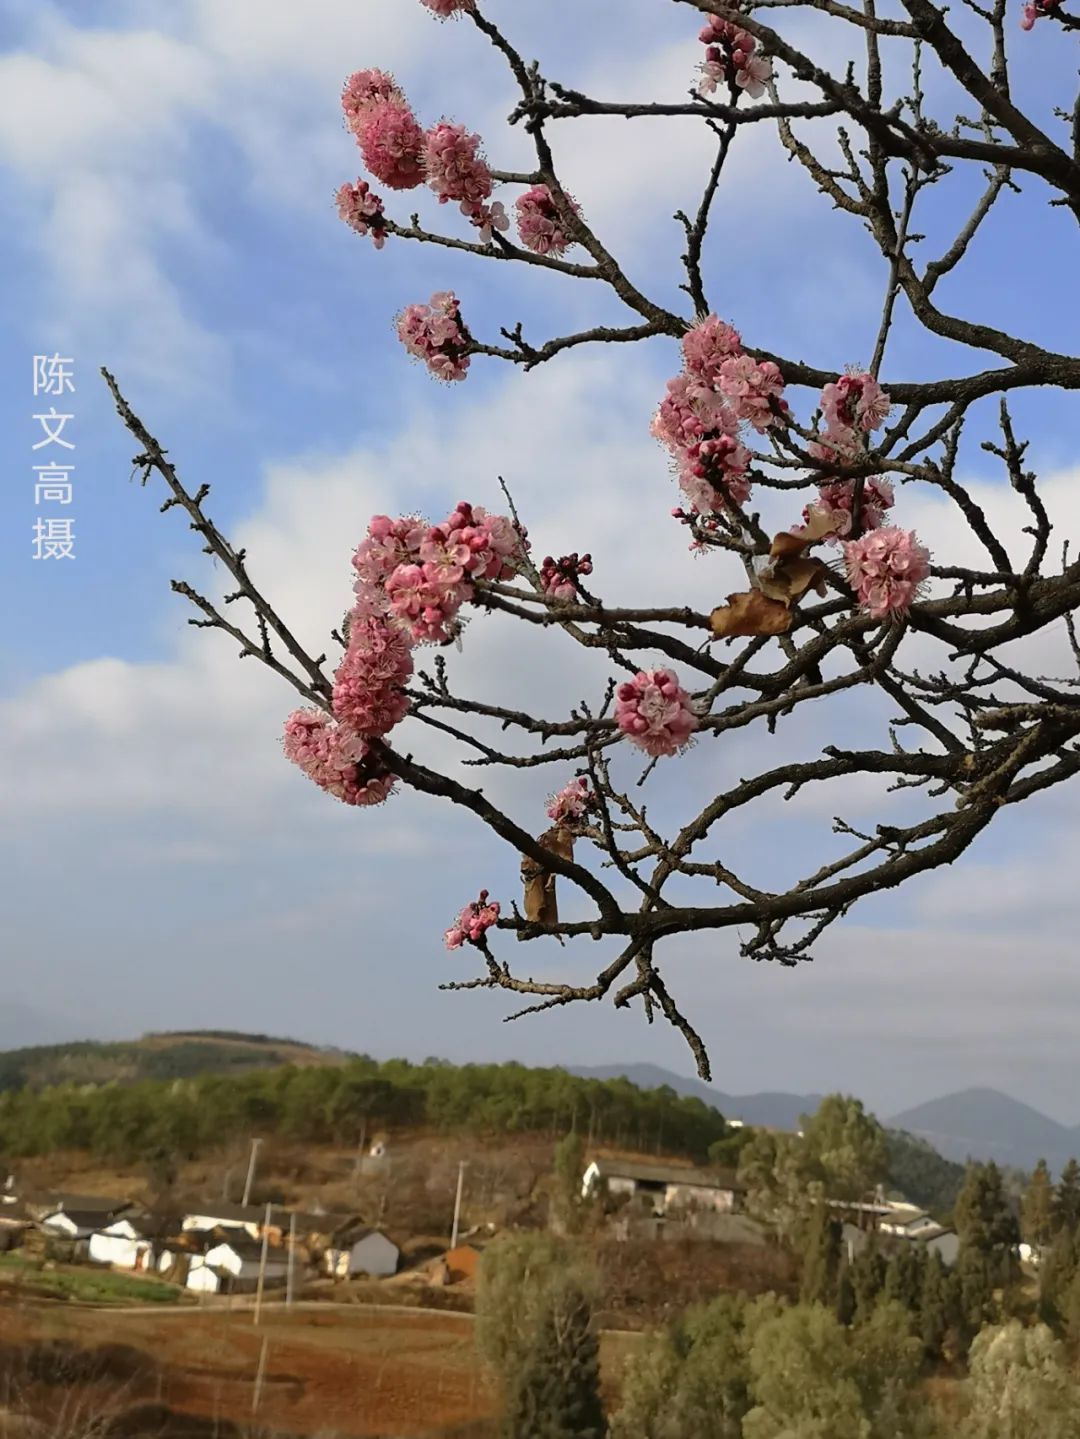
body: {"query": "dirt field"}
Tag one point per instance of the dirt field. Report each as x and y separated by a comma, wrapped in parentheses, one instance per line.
(392, 1374)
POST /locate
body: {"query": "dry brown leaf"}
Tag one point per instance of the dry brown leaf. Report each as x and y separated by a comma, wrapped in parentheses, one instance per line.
(785, 545)
(751, 613)
(541, 904)
(790, 579)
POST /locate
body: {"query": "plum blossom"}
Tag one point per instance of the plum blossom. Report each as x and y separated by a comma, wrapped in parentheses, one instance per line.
(713, 473)
(364, 89)
(492, 541)
(748, 385)
(425, 600)
(1036, 10)
(886, 569)
(731, 56)
(654, 712)
(688, 411)
(835, 502)
(706, 346)
(540, 226)
(456, 170)
(368, 693)
(560, 578)
(854, 402)
(391, 142)
(445, 8)
(433, 333)
(473, 922)
(388, 543)
(362, 211)
(329, 754)
(572, 802)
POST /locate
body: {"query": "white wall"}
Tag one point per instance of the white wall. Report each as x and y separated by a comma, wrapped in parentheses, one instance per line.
(211, 1221)
(118, 1250)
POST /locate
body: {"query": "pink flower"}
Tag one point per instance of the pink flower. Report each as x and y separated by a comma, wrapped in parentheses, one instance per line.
(389, 543)
(886, 569)
(1035, 10)
(473, 922)
(455, 168)
(445, 8)
(732, 57)
(329, 754)
(391, 142)
(654, 712)
(368, 693)
(835, 502)
(434, 334)
(706, 346)
(367, 88)
(493, 543)
(540, 226)
(425, 601)
(854, 402)
(560, 578)
(720, 462)
(362, 211)
(688, 411)
(748, 385)
(572, 802)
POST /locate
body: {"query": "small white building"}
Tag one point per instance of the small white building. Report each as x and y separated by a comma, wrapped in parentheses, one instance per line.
(71, 1224)
(132, 1241)
(233, 1267)
(667, 1186)
(365, 1251)
(246, 1217)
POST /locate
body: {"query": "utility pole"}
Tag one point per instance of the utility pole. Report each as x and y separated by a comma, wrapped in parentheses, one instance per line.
(225, 1184)
(457, 1204)
(292, 1251)
(251, 1171)
(262, 1265)
(259, 1373)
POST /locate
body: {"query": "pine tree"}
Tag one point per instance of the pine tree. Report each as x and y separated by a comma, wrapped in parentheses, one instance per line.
(821, 1256)
(904, 1277)
(1067, 1198)
(846, 1303)
(935, 1318)
(1056, 1274)
(555, 1391)
(985, 1222)
(975, 1280)
(867, 1280)
(568, 1206)
(1037, 1216)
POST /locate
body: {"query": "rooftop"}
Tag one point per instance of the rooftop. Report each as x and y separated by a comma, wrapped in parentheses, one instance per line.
(667, 1174)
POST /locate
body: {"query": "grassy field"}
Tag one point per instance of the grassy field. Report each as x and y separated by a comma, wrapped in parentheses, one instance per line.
(90, 1286)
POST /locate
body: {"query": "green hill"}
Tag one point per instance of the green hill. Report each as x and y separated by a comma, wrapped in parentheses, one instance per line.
(164, 1056)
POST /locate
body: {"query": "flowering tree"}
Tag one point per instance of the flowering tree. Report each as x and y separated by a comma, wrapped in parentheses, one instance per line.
(842, 596)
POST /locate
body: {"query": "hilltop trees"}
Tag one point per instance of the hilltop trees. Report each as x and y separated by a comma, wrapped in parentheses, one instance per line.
(1037, 1212)
(1020, 1386)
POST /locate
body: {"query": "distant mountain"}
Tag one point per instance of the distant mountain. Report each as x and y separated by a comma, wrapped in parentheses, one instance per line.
(154, 1056)
(986, 1124)
(775, 1111)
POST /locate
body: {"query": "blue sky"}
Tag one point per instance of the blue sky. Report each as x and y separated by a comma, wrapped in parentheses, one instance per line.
(167, 170)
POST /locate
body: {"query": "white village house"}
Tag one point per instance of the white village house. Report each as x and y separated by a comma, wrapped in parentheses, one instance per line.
(74, 1224)
(232, 1266)
(246, 1217)
(130, 1242)
(364, 1251)
(665, 1186)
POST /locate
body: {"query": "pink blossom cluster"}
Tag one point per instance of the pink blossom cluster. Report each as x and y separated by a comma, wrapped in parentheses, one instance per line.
(445, 8)
(560, 577)
(886, 569)
(1036, 10)
(473, 922)
(330, 753)
(540, 226)
(362, 211)
(368, 684)
(655, 713)
(836, 499)
(731, 57)
(388, 133)
(698, 419)
(420, 575)
(852, 405)
(434, 333)
(571, 803)
(456, 170)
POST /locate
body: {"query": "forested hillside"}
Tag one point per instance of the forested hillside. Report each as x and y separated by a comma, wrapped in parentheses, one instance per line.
(179, 1055)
